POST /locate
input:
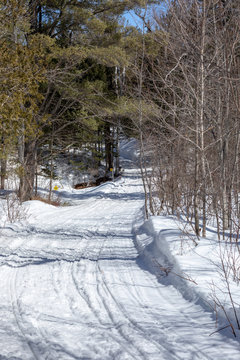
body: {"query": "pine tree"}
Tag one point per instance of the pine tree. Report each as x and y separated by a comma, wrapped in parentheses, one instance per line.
(49, 51)
(22, 69)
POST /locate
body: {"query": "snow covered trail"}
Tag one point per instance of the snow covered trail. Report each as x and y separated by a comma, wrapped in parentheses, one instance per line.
(74, 287)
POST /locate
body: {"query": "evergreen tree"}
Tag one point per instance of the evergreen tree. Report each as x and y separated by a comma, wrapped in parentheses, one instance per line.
(57, 71)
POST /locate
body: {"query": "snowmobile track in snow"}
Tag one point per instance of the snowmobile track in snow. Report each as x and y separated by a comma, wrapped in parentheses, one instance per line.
(75, 287)
(17, 314)
(133, 324)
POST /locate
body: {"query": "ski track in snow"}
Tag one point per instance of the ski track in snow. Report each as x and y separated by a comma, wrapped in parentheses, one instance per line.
(74, 287)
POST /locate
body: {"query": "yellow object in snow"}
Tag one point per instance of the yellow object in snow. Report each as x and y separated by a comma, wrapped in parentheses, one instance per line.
(55, 187)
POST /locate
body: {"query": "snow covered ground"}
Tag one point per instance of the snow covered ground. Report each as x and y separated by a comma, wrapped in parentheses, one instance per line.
(92, 281)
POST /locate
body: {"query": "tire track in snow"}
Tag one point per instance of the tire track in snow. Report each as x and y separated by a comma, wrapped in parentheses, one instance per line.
(67, 271)
(86, 297)
(133, 324)
(135, 327)
(41, 336)
(9, 257)
(107, 309)
(17, 314)
(104, 324)
(26, 327)
(119, 307)
(42, 339)
(110, 313)
(186, 311)
(102, 287)
(115, 323)
(60, 275)
(143, 305)
(189, 306)
(89, 285)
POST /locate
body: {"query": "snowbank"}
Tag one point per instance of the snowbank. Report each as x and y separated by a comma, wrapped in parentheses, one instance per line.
(193, 270)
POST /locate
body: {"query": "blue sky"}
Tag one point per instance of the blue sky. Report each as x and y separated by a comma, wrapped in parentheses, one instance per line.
(134, 20)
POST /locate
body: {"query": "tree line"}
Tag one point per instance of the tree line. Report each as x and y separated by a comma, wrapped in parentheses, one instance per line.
(72, 74)
(187, 81)
(61, 72)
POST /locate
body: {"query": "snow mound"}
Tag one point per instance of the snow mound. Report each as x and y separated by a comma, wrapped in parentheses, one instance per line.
(156, 242)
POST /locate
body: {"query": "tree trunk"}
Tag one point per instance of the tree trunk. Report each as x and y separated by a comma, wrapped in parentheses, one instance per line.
(108, 147)
(195, 199)
(3, 163)
(117, 163)
(202, 106)
(3, 172)
(26, 186)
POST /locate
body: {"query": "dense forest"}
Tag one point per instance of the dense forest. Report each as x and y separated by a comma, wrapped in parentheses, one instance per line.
(74, 75)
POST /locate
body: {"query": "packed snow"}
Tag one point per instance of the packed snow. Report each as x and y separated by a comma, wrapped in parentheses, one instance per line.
(93, 280)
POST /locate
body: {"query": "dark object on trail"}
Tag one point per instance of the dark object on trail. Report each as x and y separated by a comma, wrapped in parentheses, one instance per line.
(83, 185)
(97, 182)
(102, 180)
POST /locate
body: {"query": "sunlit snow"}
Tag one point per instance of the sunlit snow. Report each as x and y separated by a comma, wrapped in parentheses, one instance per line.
(91, 280)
